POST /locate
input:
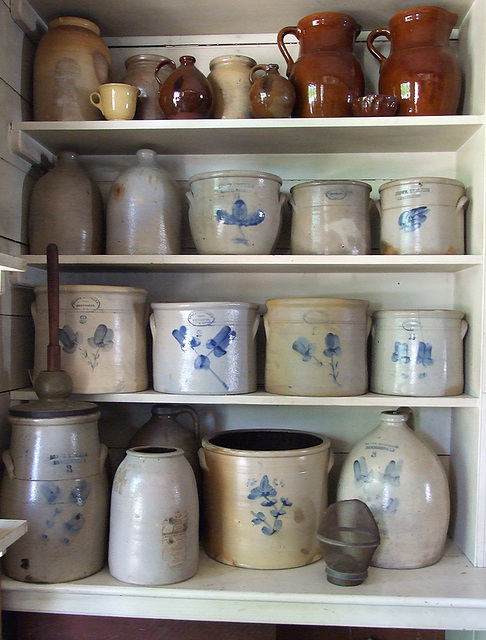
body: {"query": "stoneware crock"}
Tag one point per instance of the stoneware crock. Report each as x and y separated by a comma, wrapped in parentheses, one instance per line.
(264, 493)
(204, 347)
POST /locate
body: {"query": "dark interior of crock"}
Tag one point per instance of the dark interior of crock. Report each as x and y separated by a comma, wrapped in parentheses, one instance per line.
(265, 440)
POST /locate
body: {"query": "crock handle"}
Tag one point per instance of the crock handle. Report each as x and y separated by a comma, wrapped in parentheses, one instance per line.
(464, 328)
(295, 31)
(376, 33)
(330, 464)
(461, 204)
(152, 324)
(369, 324)
(202, 459)
(266, 324)
(103, 455)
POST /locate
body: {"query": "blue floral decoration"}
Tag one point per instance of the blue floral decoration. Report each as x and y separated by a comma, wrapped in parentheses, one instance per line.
(101, 340)
(268, 493)
(216, 346)
(240, 217)
(69, 339)
(424, 354)
(333, 350)
(413, 219)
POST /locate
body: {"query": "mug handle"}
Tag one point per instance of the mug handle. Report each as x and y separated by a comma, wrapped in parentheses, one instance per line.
(295, 31)
(371, 40)
(96, 104)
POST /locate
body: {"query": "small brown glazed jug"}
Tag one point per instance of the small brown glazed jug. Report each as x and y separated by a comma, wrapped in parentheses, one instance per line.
(421, 70)
(326, 76)
(271, 95)
(186, 94)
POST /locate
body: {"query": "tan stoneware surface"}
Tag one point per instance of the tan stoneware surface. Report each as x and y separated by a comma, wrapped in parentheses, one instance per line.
(264, 493)
(71, 61)
(401, 479)
(422, 216)
(316, 346)
(154, 518)
(102, 333)
(235, 211)
(330, 217)
(229, 77)
(56, 479)
(66, 208)
(140, 73)
(144, 210)
(204, 347)
(418, 352)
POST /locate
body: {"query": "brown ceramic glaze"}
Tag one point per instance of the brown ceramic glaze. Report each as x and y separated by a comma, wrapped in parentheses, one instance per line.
(421, 70)
(326, 76)
(71, 61)
(140, 73)
(186, 94)
(375, 104)
(271, 95)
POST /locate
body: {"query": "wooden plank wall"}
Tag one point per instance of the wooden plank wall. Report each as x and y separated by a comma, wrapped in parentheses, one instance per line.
(16, 330)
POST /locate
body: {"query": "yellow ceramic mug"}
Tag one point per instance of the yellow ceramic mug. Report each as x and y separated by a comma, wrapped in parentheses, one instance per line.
(115, 100)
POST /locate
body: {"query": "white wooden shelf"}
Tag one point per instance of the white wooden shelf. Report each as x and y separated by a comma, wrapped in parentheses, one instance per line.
(448, 595)
(262, 398)
(261, 263)
(278, 135)
(10, 531)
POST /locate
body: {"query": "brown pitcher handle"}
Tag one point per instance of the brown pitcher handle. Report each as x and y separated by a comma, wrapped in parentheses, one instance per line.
(159, 67)
(295, 31)
(257, 67)
(370, 43)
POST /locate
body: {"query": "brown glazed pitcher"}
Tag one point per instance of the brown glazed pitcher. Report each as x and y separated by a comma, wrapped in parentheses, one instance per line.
(421, 70)
(326, 76)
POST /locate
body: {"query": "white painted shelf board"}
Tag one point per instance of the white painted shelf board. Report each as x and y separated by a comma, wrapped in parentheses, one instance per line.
(262, 263)
(11, 263)
(279, 135)
(260, 398)
(448, 595)
(10, 531)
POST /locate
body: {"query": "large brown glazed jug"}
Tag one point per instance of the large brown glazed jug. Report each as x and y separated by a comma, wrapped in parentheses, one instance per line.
(326, 76)
(421, 70)
(71, 61)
